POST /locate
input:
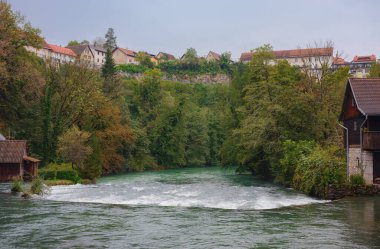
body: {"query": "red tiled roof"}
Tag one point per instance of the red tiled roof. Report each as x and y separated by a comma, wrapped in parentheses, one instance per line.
(367, 58)
(339, 61)
(216, 56)
(367, 94)
(128, 52)
(246, 56)
(12, 151)
(168, 56)
(283, 54)
(62, 50)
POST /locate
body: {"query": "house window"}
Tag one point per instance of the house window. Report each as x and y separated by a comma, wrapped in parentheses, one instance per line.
(355, 126)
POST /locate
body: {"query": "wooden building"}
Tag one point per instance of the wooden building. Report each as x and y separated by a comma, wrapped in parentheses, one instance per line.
(14, 162)
(361, 118)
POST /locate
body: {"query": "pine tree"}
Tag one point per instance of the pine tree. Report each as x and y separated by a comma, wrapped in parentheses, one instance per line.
(110, 40)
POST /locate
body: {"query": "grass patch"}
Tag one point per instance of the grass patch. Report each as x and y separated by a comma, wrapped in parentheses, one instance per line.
(357, 180)
(38, 187)
(17, 186)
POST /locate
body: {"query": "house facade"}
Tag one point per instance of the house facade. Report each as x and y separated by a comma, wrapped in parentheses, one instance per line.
(361, 65)
(84, 53)
(310, 57)
(14, 161)
(212, 56)
(361, 119)
(60, 54)
(42, 52)
(53, 53)
(339, 62)
(161, 56)
(124, 56)
(99, 55)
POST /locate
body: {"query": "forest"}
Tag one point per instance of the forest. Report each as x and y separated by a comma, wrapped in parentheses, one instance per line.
(275, 121)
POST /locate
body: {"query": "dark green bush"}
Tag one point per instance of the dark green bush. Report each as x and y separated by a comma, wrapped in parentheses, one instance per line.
(131, 68)
(48, 174)
(59, 172)
(71, 175)
(357, 180)
(316, 171)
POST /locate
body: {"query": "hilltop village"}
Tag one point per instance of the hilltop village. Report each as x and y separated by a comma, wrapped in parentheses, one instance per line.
(94, 54)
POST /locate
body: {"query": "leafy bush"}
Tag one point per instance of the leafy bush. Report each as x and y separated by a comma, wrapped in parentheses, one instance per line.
(317, 170)
(17, 186)
(71, 175)
(357, 180)
(38, 187)
(59, 172)
(131, 68)
(292, 153)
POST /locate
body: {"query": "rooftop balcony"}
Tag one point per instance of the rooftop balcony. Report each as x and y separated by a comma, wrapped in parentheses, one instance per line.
(371, 140)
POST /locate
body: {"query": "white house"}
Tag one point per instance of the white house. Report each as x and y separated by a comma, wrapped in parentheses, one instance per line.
(54, 53)
(99, 55)
(308, 57)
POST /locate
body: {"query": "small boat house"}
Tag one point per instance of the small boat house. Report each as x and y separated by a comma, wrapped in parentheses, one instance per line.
(361, 119)
(14, 161)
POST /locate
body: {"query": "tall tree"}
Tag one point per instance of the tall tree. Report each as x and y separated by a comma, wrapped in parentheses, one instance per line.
(190, 55)
(110, 43)
(73, 146)
(73, 43)
(21, 80)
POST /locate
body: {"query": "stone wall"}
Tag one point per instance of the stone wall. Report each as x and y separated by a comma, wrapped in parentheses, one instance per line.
(365, 163)
(337, 192)
(200, 78)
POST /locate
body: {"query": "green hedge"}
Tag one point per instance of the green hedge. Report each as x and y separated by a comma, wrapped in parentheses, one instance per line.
(53, 172)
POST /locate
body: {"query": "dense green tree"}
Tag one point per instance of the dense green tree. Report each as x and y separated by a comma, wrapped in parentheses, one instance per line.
(73, 146)
(144, 59)
(21, 81)
(190, 55)
(375, 70)
(73, 43)
(70, 93)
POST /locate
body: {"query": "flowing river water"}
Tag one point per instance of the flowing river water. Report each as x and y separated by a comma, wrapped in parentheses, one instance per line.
(187, 208)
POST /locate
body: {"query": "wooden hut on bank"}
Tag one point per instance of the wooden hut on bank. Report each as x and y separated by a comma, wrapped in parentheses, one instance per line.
(361, 119)
(14, 161)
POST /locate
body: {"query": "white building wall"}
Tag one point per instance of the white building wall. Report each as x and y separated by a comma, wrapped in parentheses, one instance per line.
(365, 161)
(99, 57)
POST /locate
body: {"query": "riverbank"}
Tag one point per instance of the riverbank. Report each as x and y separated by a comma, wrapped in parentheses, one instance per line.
(335, 192)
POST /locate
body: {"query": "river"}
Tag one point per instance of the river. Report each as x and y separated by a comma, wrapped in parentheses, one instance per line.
(187, 208)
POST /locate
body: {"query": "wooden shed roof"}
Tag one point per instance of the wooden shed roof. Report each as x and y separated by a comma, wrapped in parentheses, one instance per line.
(366, 94)
(12, 151)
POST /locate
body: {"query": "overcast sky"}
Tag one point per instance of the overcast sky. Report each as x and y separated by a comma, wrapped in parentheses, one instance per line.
(220, 25)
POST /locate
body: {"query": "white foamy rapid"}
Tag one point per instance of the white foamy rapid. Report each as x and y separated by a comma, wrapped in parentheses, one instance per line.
(210, 189)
